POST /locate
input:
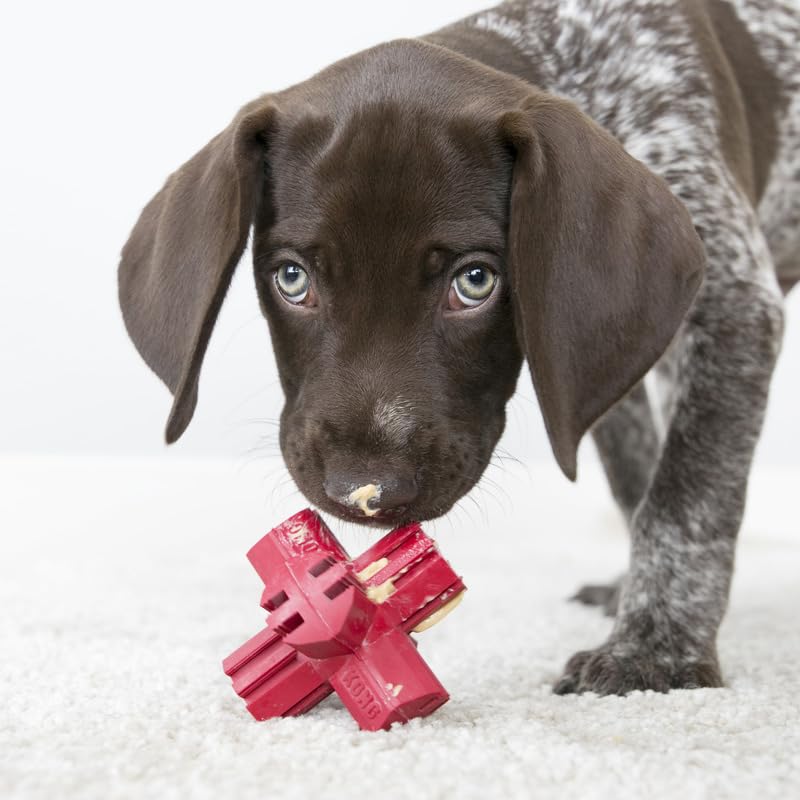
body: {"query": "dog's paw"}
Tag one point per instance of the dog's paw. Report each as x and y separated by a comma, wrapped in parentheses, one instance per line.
(605, 596)
(615, 669)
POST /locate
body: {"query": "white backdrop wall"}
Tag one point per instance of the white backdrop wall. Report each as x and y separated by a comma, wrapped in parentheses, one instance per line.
(100, 102)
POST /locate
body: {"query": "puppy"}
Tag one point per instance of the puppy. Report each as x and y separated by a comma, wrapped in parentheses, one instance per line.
(599, 187)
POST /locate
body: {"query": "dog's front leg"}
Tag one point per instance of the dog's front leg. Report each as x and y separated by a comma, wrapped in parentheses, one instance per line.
(684, 531)
(627, 442)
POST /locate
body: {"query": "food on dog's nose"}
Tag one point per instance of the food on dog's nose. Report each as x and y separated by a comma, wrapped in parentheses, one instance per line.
(343, 625)
(360, 497)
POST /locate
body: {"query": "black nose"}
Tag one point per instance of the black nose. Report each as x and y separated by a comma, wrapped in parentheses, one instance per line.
(371, 495)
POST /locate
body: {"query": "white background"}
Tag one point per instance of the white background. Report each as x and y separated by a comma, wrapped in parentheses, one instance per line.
(101, 102)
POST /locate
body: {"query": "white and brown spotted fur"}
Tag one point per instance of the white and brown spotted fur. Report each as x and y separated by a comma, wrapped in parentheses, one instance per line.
(382, 173)
(661, 76)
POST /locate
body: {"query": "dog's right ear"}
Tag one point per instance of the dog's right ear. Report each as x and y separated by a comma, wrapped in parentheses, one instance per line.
(178, 262)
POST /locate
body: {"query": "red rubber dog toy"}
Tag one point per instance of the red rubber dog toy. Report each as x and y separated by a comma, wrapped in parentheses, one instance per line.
(341, 625)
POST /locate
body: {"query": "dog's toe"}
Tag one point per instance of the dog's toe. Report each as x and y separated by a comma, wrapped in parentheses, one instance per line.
(569, 683)
(605, 596)
(703, 674)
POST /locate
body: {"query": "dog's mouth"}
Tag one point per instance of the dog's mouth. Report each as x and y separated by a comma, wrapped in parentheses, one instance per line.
(378, 518)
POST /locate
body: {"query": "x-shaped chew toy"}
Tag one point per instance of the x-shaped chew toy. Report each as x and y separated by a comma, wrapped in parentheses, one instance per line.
(341, 625)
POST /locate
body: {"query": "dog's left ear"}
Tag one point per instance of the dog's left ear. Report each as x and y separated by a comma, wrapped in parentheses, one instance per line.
(603, 265)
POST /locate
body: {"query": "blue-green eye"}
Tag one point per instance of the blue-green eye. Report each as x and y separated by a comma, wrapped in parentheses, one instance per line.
(474, 284)
(292, 282)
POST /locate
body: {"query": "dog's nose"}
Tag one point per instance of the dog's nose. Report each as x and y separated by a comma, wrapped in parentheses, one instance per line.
(371, 495)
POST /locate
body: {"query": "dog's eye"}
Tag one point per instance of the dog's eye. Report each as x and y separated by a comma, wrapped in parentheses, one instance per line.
(471, 286)
(293, 282)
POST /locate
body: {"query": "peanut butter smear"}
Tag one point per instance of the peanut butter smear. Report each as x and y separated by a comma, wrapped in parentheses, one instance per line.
(439, 615)
(378, 594)
(361, 496)
(372, 569)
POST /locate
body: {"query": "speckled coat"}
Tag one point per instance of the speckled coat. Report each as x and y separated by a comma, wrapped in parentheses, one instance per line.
(707, 94)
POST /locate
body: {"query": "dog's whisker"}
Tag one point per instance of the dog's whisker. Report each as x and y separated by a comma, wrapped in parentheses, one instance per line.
(265, 388)
(259, 453)
(280, 486)
(481, 506)
(486, 480)
(260, 421)
(461, 508)
(505, 455)
(267, 440)
(245, 323)
(262, 451)
(503, 506)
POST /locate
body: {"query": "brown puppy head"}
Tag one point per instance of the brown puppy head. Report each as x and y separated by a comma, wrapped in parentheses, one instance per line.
(420, 222)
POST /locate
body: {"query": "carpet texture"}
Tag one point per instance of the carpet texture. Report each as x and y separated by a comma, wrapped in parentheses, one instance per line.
(124, 583)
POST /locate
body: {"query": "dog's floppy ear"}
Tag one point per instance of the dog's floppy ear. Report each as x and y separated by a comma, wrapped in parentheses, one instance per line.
(603, 265)
(178, 262)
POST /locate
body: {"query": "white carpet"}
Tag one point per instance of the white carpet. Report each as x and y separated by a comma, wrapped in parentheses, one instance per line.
(124, 583)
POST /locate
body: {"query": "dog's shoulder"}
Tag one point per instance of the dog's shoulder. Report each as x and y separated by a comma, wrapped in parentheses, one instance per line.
(628, 63)
(681, 83)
